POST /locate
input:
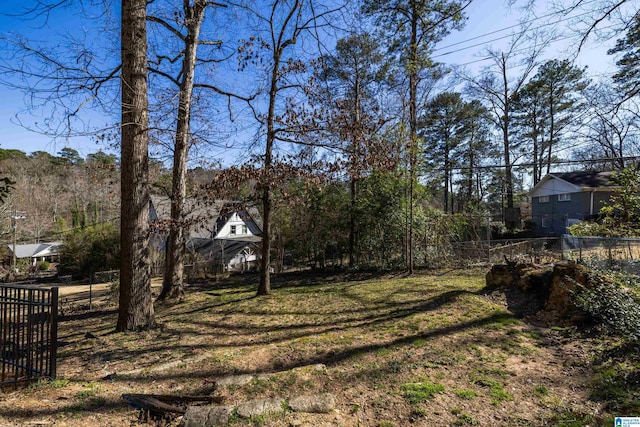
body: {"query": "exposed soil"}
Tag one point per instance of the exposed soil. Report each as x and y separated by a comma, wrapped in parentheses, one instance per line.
(378, 337)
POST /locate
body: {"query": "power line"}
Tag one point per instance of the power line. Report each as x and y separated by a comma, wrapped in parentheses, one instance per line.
(486, 58)
(520, 24)
(553, 162)
(501, 37)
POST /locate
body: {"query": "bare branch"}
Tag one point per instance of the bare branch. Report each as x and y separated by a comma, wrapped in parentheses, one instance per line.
(166, 25)
(175, 81)
(605, 15)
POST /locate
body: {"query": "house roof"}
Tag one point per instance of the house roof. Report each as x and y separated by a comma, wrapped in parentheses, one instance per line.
(574, 182)
(222, 249)
(35, 250)
(587, 179)
(204, 217)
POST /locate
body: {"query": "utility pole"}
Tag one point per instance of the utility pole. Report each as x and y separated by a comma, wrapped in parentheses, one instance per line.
(14, 224)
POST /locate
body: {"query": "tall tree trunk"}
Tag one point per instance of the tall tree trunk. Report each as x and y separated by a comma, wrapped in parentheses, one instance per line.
(447, 174)
(352, 221)
(536, 171)
(354, 166)
(413, 128)
(135, 304)
(552, 128)
(173, 281)
(472, 162)
(264, 288)
(505, 135)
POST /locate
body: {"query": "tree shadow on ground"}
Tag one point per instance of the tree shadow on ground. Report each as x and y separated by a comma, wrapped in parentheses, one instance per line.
(263, 335)
(92, 405)
(331, 358)
(368, 316)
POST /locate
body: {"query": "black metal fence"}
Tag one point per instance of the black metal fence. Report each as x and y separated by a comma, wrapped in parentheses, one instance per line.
(28, 333)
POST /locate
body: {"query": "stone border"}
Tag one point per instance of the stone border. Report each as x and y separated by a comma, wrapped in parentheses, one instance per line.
(211, 416)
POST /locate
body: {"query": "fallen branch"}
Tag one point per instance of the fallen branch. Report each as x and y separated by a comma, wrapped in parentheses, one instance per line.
(159, 404)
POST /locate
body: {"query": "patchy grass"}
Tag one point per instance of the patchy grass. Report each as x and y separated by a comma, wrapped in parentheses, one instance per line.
(466, 394)
(429, 349)
(418, 392)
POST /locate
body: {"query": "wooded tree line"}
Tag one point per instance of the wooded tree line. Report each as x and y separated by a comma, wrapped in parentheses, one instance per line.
(58, 193)
(368, 142)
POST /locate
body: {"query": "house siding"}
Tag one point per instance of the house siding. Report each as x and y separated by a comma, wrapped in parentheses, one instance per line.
(236, 220)
(558, 214)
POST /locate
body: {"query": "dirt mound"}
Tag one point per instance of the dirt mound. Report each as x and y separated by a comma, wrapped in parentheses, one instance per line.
(542, 289)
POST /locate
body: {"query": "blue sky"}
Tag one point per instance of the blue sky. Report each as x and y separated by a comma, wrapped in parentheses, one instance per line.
(49, 30)
(490, 23)
(484, 17)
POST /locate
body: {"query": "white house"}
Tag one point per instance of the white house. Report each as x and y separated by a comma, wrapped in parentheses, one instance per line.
(48, 251)
(238, 224)
(219, 230)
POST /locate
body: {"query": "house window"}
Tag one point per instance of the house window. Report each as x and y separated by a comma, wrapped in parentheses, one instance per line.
(544, 223)
(543, 199)
(233, 229)
(565, 197)
(244, 229)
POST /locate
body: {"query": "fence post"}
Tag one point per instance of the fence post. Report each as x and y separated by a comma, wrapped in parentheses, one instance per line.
(54, 333)
(580, 247)
(28, 352)
(90, 290)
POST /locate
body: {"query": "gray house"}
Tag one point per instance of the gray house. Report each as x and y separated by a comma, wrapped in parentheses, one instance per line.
(560, 200)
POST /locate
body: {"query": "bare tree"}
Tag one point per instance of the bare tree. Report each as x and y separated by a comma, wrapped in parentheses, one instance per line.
(498, 88)
(601, 19)
(610, 130)
(66, 76)
(193, 15)
(280, 26)
(186, 27)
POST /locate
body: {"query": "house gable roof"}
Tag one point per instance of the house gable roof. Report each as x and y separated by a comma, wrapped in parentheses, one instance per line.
(573, 182)
(222, 249)
(36, 250)
(588, 179)
(204, 218)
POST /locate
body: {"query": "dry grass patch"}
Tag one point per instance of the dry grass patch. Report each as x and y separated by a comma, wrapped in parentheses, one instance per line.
(429, 349)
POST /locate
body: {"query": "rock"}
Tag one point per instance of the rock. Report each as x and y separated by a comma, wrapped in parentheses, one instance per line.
(255, 408)
(320, 403)
(233, 380)
(317, 367)
(206, 416)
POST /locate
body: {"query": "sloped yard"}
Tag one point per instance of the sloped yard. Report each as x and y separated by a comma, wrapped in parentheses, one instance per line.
(426, 350)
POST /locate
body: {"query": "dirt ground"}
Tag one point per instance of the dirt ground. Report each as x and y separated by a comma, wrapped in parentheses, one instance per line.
(425, 350)
(75, 296)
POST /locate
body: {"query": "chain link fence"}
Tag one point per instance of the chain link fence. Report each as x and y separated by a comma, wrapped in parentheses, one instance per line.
(621, 253)
(541, 250)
